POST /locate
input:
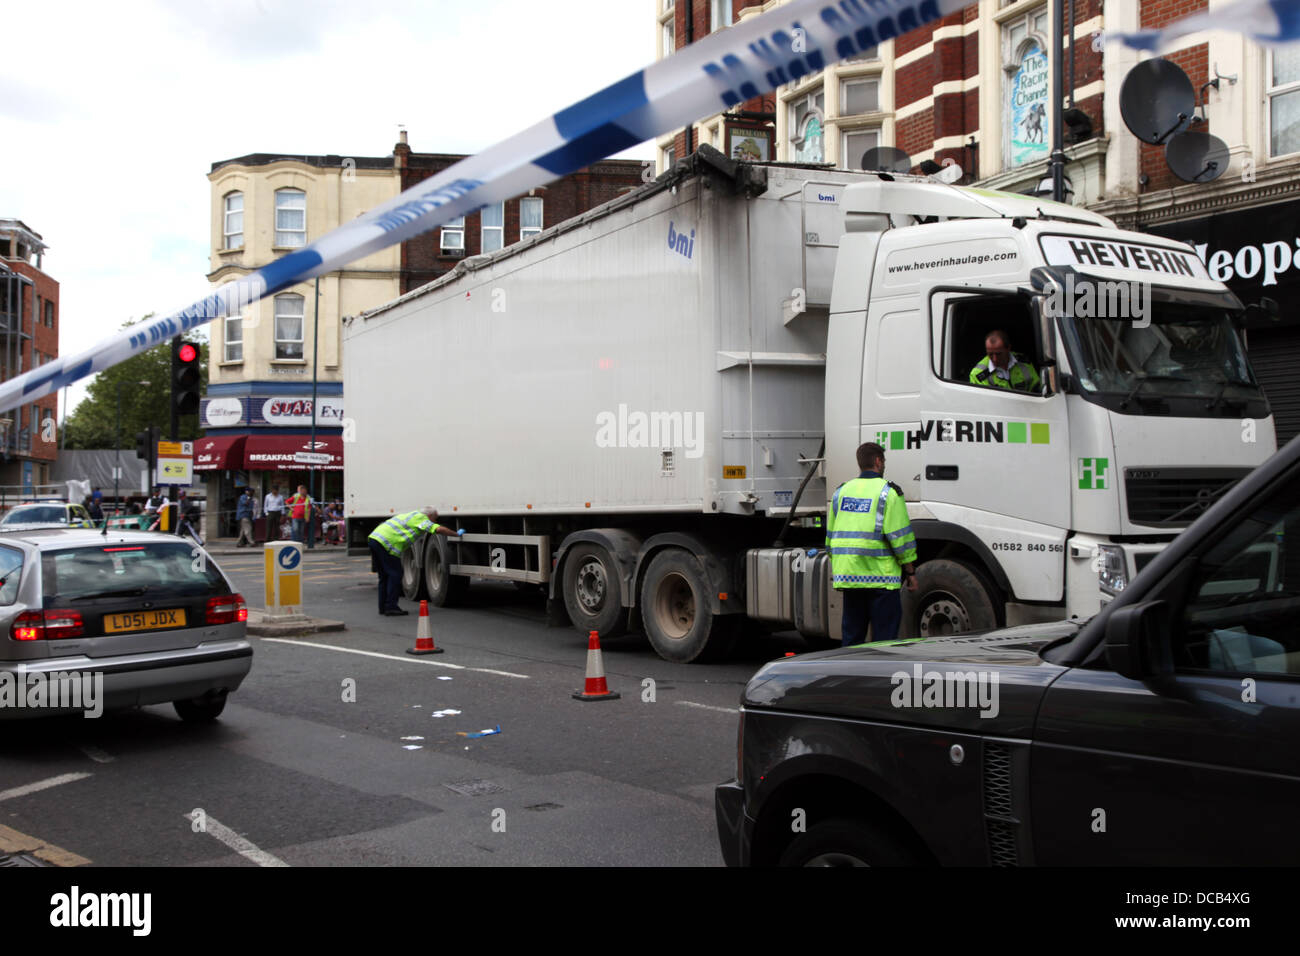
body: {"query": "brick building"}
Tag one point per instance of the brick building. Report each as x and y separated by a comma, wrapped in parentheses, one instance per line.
(435, 253)
(974, 89)
(29, 337)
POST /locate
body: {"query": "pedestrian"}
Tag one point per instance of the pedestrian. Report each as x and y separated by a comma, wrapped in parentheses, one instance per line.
(873, 550)
(273, 506)
(157, 502)
(94, 510)
(389, 541)
(244, 514)
(300, 512)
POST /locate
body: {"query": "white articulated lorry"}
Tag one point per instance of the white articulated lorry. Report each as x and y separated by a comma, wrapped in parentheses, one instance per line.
(629, 409)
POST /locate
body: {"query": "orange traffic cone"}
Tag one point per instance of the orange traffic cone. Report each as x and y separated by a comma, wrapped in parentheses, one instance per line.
(596, 688)
(424, 634)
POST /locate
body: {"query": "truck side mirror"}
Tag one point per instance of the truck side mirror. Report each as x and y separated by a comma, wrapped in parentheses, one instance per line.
(1138, 640)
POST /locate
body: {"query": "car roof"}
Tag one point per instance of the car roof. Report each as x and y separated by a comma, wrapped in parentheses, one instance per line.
(45, 539)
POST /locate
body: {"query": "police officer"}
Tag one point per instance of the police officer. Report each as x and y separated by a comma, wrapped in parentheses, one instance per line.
(1002, 368)
(387, 544)
(873, 550)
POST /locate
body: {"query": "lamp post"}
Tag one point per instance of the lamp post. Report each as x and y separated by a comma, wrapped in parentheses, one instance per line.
(117, 447)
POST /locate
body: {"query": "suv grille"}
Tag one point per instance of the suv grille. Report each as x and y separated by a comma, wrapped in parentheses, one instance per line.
(1175, 496)
(999, 822)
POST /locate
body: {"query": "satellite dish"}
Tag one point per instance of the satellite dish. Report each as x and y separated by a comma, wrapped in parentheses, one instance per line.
(1156, 101)
(886, 159)
(1197, 157)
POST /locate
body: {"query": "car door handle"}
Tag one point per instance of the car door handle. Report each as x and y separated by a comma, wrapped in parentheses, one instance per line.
(941, 472)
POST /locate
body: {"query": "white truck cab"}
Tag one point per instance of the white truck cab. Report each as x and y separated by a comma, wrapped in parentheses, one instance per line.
(1034, 504)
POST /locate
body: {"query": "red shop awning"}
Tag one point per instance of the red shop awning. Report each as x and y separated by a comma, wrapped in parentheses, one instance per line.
(219, 452)
(276, 452)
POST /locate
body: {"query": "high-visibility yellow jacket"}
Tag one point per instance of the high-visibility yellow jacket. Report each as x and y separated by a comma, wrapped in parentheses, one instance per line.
(868, 535)
(400, 531)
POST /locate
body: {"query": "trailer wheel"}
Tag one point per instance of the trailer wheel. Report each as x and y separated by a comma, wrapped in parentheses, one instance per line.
(444, 588)
(414, 587)
(675, 610)
(591, 591)
(951, 598)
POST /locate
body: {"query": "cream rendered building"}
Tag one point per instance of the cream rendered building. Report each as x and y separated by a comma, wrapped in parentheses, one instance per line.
(257, 412)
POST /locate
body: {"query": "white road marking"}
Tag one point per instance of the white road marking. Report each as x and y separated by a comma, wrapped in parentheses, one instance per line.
(725, 710)
(97, 755)
(41, 785)
(392, 657)
(230, 838)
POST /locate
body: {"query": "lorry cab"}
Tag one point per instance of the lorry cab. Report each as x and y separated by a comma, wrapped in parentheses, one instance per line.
(1032, 501)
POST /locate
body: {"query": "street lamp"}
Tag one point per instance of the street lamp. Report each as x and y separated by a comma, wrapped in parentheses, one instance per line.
(117, 446)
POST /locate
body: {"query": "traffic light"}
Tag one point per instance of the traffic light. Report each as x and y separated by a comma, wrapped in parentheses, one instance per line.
(185, 377)
(144, 444)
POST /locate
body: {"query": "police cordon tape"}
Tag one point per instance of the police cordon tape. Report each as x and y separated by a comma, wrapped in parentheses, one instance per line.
(1267, 22)
(724, 69)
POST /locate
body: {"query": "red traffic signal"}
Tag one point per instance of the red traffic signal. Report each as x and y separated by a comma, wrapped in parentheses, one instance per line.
(188, 353)
(186, 377)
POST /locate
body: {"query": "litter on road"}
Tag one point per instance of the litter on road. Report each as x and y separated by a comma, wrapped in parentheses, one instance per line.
(481, 733)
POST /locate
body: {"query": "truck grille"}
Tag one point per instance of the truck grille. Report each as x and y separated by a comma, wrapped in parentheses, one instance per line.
(1000, 823)
(1175, 496)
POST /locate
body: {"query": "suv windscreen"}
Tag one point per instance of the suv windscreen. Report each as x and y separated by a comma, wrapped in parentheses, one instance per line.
(41, 514)
(172, 568)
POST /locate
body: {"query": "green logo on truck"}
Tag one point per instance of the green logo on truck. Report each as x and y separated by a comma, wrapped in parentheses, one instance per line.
(967, 430)
(1092, 473)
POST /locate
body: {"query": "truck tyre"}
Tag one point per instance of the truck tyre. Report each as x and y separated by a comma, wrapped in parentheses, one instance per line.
(951, 598)
(681, 626)
(444, 588)
(414, 587)
(592, 595)
(848, 841)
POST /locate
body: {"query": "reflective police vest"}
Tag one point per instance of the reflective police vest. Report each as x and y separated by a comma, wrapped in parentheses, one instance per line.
(400, 531)
(868, 535)
(1023, 376)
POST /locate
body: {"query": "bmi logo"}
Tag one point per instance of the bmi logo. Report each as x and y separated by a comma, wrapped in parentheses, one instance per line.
(1092, 473)
(680, 243)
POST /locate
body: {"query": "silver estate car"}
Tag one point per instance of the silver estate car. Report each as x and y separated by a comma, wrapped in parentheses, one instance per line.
(128, 618)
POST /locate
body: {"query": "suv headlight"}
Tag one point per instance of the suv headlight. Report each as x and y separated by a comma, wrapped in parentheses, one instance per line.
(1112, 571)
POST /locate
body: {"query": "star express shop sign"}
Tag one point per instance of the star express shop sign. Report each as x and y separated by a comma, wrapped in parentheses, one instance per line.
(297, 411)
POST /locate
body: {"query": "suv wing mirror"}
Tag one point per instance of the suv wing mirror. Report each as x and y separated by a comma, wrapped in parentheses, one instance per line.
(1138, 640)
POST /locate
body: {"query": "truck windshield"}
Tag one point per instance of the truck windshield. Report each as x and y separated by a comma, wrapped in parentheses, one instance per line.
(1178, 351)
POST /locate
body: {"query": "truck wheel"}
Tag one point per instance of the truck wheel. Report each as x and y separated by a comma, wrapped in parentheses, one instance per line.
(414, 587)
(951, 598)
(675, 610)
(444, 588)
(846, 841)
(592, 595)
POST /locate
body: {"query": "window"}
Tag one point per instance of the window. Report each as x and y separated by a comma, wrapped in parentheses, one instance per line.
(856, 145)
(668, 39)
(1241, 616)
(234, 337)
(806, 133)
(49, 314)
(530, 217)
(233, 226)
(719, 14)
(859, 96)
(492, 227)
(453, 235)
(968, 320)
(290, 218)
(669, 157)
(288, 326)
(866, 56)
(1284, 101)
(1026, 132)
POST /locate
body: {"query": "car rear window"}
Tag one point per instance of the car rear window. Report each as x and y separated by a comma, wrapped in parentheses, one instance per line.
(50, 513)
(164, 567)
(11, 572)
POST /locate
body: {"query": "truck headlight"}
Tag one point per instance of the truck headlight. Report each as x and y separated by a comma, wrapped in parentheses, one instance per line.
(1112, 571)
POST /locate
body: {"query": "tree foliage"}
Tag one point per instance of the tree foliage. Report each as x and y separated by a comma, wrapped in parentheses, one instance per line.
(93, 423)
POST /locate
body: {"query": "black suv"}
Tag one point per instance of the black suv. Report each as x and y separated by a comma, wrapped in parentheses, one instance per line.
(1164, 730)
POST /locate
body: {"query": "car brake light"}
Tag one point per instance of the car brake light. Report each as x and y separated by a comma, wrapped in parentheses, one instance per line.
(47, 625)
(227, 609)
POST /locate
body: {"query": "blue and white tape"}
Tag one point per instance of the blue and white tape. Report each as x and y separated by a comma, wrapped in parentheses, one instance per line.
(725, 68)
(1267, 22)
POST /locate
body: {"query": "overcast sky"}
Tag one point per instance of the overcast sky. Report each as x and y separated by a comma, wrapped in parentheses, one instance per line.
(111, 114)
